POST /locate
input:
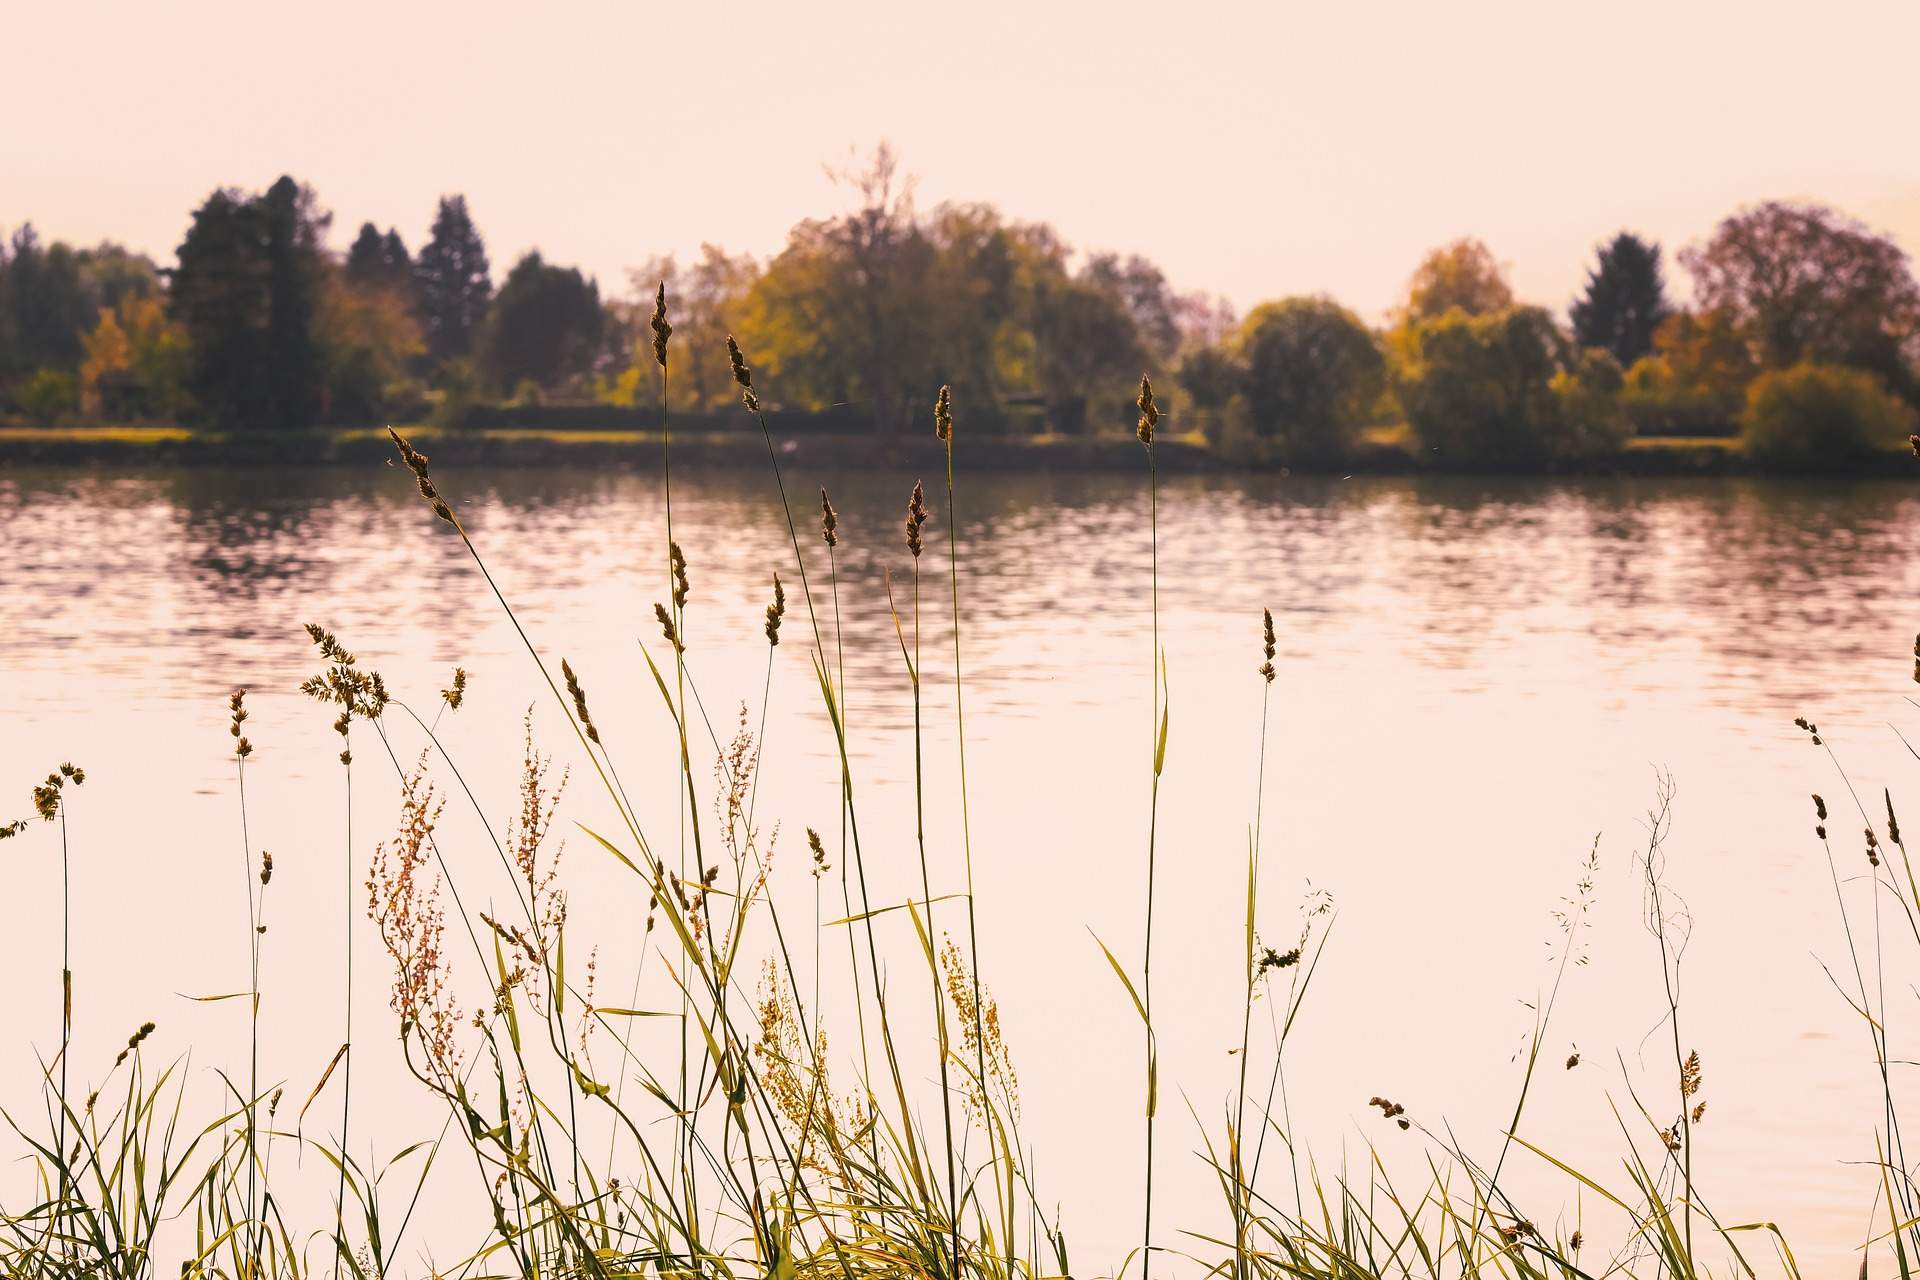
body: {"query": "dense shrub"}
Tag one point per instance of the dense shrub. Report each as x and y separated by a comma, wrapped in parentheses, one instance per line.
(1309, 372)
(1816, 414)
(1505, 389)
(1593, 422)
(1658, 403)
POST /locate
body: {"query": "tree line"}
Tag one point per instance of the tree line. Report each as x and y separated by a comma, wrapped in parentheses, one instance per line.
(1802, 335)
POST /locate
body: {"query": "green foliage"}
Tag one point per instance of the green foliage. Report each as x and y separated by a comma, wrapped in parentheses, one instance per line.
(1593, 419)
(1309, 373)
(1490, 390)
(1658, 402)
(1625, 299)
(49, 396)
(1813, 415)
(45, 306)
(544, 328)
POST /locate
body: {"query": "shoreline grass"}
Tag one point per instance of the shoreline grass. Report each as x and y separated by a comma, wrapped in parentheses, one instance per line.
(745, 1157)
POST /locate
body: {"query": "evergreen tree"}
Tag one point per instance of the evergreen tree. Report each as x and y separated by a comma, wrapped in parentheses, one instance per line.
(379, 261)
(1625, 300)
(247, 290)
(45, 309)
(295, 272)
(454, 280)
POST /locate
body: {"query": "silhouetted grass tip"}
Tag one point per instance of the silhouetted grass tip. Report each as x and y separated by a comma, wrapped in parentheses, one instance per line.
(344, 684)
(1391, 1111)
(829, 521)
(266, 867)
(417, 463)
(47, 796)
(943, 415)
(820, 863)
(241, 747)
(455, 693)
(1811, 729)
(579, 697)
(742, 375)
(776, 611)
(134, 1041)
(1149, 411)
(661, 329)
(916, 517)
(1266, 668)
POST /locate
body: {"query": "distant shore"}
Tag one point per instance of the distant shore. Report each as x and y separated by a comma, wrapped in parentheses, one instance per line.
(1383, 451)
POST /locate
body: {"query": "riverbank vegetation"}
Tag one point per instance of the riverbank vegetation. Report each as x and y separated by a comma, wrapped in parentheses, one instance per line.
(260, 327)
(696, 1117)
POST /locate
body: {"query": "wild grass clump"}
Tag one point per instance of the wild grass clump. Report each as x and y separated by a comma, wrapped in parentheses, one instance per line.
(709, 1126)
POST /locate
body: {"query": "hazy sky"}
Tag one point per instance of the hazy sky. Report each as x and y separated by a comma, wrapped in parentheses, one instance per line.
(1252, 150)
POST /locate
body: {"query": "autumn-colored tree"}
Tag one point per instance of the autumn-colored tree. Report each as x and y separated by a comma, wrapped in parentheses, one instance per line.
(135, 363)
(1805, 283)
(706, 301)
(1464, 274)
(370, 337)
(843, 314)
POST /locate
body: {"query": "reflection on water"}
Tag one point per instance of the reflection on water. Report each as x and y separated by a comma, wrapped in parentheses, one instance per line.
(1476, 676)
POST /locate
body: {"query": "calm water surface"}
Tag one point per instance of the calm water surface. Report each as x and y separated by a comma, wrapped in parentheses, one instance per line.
(1476, 677)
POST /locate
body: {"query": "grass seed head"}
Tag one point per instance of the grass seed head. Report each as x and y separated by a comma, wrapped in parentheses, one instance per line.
(916, 517)
(417, 463)
(667, 628)
(742, 375)
(680, 588)
(661, 329)
(776, 611)
(943, 415)
(456, 693)
(241, 747)
(1149, 412)
(579, 697)
(829, 521)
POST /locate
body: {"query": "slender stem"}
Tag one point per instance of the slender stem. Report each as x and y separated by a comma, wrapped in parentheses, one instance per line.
(253, 996)
(66, 999)
(1153, 821)
(926, 894)
(966, 824)
(346, 1080)
(1242, 1191)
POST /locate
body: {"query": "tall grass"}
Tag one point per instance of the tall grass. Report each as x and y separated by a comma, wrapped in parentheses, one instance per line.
(758, 1150)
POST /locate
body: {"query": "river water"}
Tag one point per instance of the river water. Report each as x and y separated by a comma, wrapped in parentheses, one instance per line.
(1475, 677)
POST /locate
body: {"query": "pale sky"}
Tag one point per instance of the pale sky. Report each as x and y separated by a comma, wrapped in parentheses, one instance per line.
(1253, 150)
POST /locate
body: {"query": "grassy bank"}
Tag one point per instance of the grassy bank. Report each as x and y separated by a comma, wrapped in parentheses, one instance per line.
(589, 1147)
(1389, 450)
